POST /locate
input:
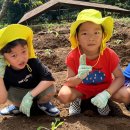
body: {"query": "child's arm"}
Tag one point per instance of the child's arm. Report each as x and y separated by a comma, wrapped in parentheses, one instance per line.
(83, 71)
(101, 99)
(117, 82)
(3, 92)
(72, 79)
(41, 87)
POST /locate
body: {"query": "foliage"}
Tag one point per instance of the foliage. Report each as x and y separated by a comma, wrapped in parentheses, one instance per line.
(32, 3)
(1, 2)
(54, 125)
(123, 4)
(124, 20)
(17, 8)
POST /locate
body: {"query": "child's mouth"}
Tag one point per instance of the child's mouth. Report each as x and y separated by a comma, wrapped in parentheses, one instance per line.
(22, 64)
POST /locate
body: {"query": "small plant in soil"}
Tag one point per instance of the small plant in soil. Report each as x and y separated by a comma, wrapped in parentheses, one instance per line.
(54, 125)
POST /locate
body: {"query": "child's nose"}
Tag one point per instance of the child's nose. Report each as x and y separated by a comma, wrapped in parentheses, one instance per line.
(21, 58)
(91, 37)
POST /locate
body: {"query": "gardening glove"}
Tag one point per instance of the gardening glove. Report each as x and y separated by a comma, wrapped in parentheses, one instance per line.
(2, 66)
(101, 99)
(83, 69)
(26, 104)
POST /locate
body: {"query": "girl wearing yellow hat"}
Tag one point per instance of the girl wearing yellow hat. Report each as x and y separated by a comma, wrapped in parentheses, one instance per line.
(25, 77)
(90, 65)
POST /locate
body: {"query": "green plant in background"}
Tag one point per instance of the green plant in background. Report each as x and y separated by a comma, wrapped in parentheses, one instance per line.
(118, 41)
(47, 52)
(56, 33)
(54, 125)
(115, 32)
(125, 20)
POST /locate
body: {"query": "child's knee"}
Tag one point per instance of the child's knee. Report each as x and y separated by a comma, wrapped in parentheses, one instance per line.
(46, 98)
(126, 98)
(47, 94)
(122, 98)
(64, 97)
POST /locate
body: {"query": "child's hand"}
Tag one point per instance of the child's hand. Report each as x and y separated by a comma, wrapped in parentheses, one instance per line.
(2, 66)
(26, 104)
(83, 69)
(101, 99)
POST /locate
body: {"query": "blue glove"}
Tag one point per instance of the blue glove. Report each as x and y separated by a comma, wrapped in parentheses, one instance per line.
(26, 104)
(83, 69)
(101, 99)
(2, 66)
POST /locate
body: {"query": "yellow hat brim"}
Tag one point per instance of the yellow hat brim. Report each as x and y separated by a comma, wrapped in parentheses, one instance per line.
(17, 31)
(107, 24)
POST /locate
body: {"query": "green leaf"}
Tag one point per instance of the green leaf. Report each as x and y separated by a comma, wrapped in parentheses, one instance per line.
(42, 127)
(16, 1)
(56, 124)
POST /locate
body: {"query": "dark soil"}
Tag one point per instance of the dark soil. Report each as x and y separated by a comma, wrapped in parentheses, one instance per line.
(52, 48)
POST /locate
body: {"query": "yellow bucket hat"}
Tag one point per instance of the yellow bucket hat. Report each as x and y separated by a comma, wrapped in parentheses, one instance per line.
(17, 31)
(94, 16)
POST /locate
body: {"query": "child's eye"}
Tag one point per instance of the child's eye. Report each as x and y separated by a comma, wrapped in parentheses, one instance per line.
(24, 51)
(97, 32)
(13, 56)
(84, 33)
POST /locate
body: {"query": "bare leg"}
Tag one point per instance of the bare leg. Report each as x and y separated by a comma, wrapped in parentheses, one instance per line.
(68, 94)
(122, 95)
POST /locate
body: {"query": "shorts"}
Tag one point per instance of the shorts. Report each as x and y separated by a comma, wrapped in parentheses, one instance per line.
(90, 91)
(17, 94)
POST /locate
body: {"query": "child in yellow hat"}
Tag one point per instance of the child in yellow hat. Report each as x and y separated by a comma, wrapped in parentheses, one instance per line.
(90, 65)
(22, 75)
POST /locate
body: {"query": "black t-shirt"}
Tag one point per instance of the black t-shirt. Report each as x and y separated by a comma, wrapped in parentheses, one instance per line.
(27, 78)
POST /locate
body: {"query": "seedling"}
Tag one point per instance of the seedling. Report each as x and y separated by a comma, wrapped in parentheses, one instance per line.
(48, 52)
(118, 41)
(54, 125)
(54, 32)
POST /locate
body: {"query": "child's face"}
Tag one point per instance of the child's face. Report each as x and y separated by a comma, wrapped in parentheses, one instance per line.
(90, 37)
(18, 57)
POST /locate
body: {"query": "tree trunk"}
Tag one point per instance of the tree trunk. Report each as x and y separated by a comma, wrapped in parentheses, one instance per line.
(4, 8)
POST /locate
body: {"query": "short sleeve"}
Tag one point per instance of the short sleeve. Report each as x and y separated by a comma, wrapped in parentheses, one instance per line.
(42, 71)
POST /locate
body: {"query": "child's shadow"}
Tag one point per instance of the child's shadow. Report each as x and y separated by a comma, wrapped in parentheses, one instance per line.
(90, 110)
(35, 110)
